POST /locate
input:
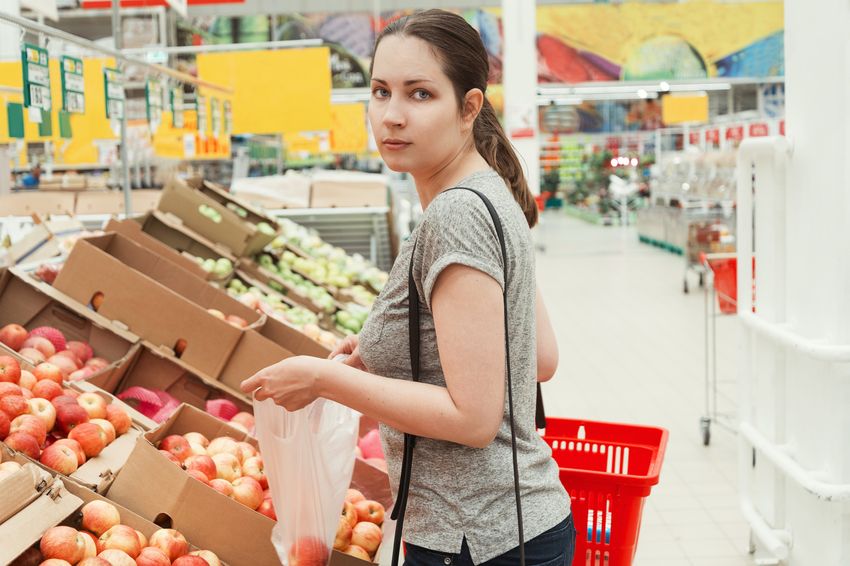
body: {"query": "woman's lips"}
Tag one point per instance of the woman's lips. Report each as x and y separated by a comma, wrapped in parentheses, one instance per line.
(395, 145)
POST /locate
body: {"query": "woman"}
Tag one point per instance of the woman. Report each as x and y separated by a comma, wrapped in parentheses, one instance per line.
(430, 118)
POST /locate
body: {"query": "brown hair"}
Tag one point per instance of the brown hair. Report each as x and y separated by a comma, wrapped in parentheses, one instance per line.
(461, 53)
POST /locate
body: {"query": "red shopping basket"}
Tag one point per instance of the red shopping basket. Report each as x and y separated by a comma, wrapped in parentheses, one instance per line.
(608, 470)
(725, 271)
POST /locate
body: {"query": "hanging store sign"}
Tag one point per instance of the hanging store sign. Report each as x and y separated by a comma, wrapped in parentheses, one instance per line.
(201, 102)
(34, 61)
(153, 103)
(73, 86)
(228, 118)
(113, 86)
(759, 130)
(712, 136)
(735, 133)
(693, 138)
(215, 112)
(177, 107)
(782, 127)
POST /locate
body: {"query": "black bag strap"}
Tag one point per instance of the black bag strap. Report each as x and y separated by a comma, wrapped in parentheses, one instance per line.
(409, 439)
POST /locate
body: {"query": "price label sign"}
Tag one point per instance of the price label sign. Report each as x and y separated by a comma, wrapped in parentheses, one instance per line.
(73, 86)
(114, 88)
(177, 107)
(215, 117)
(153, 103)
(228, 118)
(36, 77)
(202, 115)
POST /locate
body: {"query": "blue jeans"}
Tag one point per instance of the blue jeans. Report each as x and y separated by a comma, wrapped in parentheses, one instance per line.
(555, 547)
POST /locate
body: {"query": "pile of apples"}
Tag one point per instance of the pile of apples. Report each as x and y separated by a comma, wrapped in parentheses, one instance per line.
(233, 468)
(359, 532)
(47, 348)
(59, 427)
(104, 541)
(234, 320)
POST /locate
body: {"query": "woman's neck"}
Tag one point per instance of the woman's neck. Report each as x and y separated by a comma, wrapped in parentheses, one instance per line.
(463, 165)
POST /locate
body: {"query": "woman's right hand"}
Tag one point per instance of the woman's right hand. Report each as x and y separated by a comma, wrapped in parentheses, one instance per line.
(349, 347)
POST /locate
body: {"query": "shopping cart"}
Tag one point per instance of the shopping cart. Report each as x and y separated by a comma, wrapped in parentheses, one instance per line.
(721, 293)
(609, 470)
(708, 233)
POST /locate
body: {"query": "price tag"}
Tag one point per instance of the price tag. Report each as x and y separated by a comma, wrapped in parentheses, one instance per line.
(201, 102)
(34, 62)
(228, 118)
(114, 88)
(177, 107)
(215, 111)
(73, 86)
(153, 103)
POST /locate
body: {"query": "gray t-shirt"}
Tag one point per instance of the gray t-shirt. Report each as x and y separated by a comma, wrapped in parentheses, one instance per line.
(457, 491)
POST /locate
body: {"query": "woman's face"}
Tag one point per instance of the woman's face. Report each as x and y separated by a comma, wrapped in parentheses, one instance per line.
(413, 109)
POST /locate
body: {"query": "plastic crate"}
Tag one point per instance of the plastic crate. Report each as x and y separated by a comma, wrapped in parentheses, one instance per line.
(609, 470)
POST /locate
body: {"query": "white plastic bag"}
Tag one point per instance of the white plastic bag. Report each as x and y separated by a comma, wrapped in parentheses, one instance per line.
(309, 458)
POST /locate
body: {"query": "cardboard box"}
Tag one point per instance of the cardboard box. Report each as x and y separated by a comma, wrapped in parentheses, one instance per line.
(25, 203)
(292, 339)
(238, 234)
(171, 231)
(41, 243)
(100, 202)
(22, 487)
(133, 230)
(291, 190)
(143, 201)
(236, 533)
(155, 299)
(253, 353)
(31, 303)
(341, 189)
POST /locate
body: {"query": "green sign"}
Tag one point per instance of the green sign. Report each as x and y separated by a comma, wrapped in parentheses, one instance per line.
(202, 115)
(228, 118)
(73, 86)
(153, 104)
(114, 88)
(177, 107)
(36, 77)
(215, 110)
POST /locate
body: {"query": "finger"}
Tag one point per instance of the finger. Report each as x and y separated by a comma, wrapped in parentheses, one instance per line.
(261, 394)
(251, 383)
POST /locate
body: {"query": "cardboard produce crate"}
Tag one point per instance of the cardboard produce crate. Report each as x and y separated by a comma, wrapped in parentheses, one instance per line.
(31, 303)
(42, 241)
(274, 281)
(144, 200)
(342, 189)
(22, 487)
(292, 339)
(155, 299)
(241, 235)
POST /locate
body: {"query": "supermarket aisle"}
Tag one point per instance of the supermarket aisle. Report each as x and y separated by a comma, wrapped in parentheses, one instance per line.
(632, 351)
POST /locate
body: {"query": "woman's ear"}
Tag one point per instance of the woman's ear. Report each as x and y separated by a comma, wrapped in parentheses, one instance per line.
(472, 104)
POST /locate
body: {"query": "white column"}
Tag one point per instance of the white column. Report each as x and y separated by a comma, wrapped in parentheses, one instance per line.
(10, 47)
(519, 21)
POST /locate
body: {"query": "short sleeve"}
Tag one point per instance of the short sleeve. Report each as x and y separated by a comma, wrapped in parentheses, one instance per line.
(458, 229)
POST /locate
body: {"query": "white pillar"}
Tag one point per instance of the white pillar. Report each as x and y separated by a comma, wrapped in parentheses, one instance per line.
(519, 21)
(10, 47)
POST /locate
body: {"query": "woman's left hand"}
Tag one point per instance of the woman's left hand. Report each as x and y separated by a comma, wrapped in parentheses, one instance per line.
(292, 383)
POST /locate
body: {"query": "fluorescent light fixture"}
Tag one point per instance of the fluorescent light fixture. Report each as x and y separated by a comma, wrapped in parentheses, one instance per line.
(345, 95)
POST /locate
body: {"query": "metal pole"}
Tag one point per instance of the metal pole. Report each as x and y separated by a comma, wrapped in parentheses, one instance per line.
(125, 165)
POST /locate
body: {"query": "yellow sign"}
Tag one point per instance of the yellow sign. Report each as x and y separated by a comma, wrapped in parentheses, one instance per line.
(676, 109)
(274, 91)
(348, 129)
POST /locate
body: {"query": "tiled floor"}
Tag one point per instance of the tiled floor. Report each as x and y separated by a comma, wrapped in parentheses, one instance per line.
(632, 350)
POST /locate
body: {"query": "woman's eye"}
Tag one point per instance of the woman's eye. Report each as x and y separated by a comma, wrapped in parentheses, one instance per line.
(380, 92)
(421, 94)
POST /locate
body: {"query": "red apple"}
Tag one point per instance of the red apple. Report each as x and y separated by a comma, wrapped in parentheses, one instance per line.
(267, 509)
(94, 404)
(343, 534)
(31, 425)
(189, 560)
(197, 437)
(14, 405)
(41, 344)
(44, 410)
(82, 350)
(197, 450)
(255, 468)
(203, 464)
(54, 562)
(207, 555)
(248, 492)
(33, 355)
(47, 389)
(9, 389)
(13, 335)
(97, 363)
(170, 541)
(28, 380)
(227, 466)
(222, 486)
(10, 369)
(367, 535)
(198, 475)
(63, 543)
(349, 513)
(370, 511)
(224, 445)
(23, 442)
(370, 444)
(100, 516)
(119, 418)
(177, 445)
(5, 425)
(91, 438)
(107, 428)
(151, 556)
(245, 419)
(81, 374)
(171, 457)
(49, 371)
(120, 537)
(308, 551)
(59, 458)
(143, 540)
(117, 557)
(68, 354)
(26, 394)
(236, 321)
(94, 561)
(75, 446)
(357, 552)
(91, 544)
(354, 496)
(64, 399)
(69, 416)
(246, 450)
(71, 393)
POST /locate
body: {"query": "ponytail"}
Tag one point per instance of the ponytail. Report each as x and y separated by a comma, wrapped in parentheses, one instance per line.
(492, 143)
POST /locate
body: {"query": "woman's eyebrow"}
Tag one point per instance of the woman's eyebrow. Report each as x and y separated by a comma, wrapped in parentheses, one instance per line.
(406, 83)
